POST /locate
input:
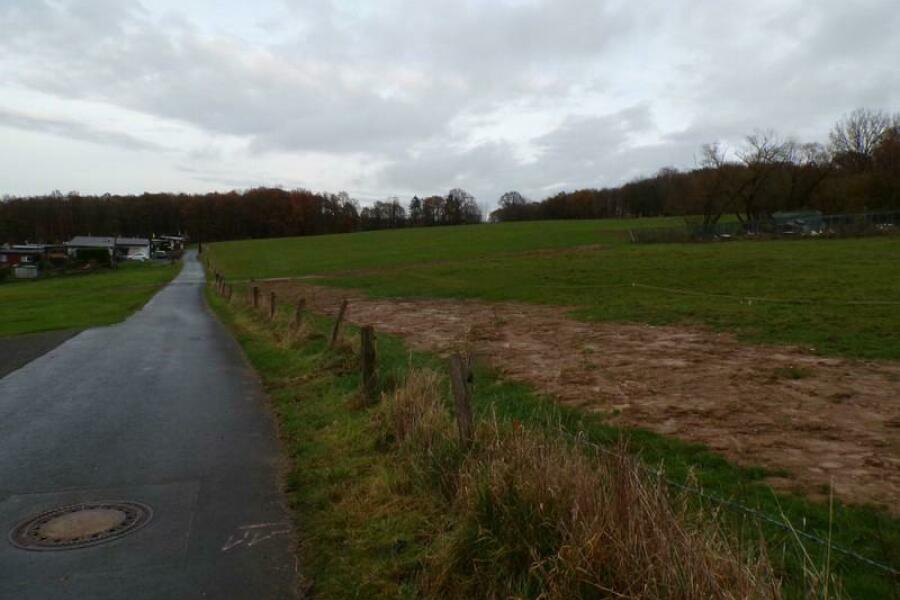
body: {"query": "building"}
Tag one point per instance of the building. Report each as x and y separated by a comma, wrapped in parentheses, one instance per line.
(12, 255)
(122, 248)
(166, 246)
(804, 222)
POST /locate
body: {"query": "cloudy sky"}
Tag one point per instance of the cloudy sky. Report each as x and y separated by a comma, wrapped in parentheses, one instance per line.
(389, 97)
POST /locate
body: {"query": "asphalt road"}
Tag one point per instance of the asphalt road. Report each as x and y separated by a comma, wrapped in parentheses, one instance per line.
(161, 409)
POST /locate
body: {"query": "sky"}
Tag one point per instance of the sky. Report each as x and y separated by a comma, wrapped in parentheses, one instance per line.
(394, 98)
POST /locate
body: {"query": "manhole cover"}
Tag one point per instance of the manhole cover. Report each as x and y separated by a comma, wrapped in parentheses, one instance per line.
(80, 525)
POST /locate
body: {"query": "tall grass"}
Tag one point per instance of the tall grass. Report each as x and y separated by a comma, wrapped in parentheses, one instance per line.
(537, 517)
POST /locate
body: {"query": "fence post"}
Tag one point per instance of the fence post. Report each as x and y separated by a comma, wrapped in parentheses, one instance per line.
(255, 292)
(271, 305)
(229, 290)
(298, 313)
(461, 382)
(337, 324)
(368, 363)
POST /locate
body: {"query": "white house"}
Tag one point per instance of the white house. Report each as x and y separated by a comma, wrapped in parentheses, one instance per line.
(123, 247)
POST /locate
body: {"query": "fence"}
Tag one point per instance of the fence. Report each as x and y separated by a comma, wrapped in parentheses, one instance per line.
(785, 226)
(461, 379)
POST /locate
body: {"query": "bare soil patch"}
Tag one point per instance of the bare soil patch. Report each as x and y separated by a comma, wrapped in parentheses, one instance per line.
(820, 420)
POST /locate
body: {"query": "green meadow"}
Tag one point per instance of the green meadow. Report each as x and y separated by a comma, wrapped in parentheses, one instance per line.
(79, 301)
(835, 297)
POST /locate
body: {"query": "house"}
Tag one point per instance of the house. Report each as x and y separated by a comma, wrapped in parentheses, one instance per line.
(12, 255)
(122, 248)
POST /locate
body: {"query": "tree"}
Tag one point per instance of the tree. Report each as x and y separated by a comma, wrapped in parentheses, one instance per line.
(854, 138)
(720, 183)
(512, 206)
(460, 208)
(809, 165)
(415, 211)
(763, 155)
(432, 210)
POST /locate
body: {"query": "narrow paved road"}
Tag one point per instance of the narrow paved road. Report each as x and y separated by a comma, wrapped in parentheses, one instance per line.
(161, 409)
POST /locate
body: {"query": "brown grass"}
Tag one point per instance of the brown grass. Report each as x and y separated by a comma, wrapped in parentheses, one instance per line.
(538, 517)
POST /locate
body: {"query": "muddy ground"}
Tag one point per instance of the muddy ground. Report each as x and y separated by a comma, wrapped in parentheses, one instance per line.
(819, 419)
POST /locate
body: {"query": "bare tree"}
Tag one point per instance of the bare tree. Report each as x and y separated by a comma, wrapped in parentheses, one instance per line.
(720, 181)
(809, 165)
(764, 155)
(855, 137)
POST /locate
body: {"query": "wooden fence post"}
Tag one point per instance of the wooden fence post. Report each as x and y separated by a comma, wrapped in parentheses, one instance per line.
(228, 291)
(461, 382)
(368, 363)
(337, 324)
(255, 292)
(271, 305)
(298, 313)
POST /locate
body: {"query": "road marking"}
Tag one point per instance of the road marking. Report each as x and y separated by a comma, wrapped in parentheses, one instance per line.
(251, 535)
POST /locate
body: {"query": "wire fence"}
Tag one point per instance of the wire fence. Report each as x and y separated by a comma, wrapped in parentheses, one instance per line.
(778, 521)
(759, 515)
(796, 225)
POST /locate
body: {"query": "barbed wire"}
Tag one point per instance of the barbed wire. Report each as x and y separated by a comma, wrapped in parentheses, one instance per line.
(751, 299)
(737, 506)
(730, 504)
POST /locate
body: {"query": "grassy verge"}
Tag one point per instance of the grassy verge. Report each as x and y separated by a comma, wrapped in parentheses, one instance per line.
(374, 530)
(79, 301)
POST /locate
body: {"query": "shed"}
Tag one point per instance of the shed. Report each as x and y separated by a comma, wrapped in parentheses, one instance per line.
(799, 221)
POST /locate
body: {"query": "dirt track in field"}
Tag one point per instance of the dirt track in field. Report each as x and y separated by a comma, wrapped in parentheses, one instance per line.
(818, 419)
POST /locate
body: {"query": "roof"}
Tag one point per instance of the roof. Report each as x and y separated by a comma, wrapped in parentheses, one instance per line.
(25, 248)
(85, 241)
(798, 214)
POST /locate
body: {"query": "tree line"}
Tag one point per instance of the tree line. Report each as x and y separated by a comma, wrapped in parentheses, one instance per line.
(858, 170)
(255, 213)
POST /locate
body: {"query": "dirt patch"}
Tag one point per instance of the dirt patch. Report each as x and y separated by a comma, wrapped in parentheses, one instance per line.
(17, 351)
(817, 419)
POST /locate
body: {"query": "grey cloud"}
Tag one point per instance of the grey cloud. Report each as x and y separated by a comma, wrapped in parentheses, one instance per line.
(302, 96)
(75, 130)
(583, 151)
(394, 80)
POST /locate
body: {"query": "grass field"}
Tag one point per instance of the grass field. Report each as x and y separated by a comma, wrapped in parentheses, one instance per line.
(291, 257)
(369, 532)
(79, 301)
(839, 297)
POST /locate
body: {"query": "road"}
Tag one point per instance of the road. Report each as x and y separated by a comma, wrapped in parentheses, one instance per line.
(161, 409)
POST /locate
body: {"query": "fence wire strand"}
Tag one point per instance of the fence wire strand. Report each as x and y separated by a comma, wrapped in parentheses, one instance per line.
(738, 507)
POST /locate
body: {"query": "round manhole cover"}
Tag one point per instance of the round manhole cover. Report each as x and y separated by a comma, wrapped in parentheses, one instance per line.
(80, 525)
